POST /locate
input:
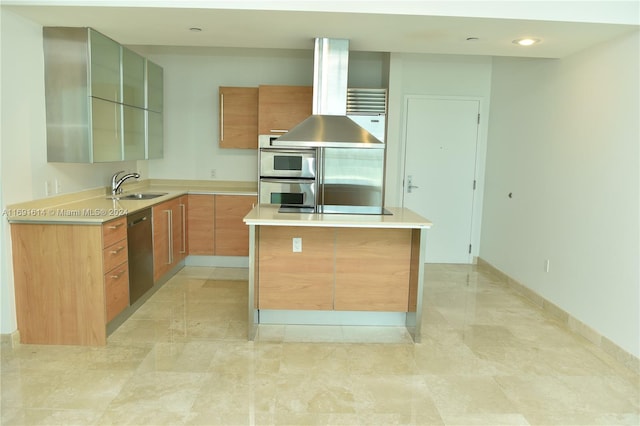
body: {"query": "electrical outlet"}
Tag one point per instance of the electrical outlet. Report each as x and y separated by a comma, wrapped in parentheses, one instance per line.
(546, 265)
(47, 187)
(58, 186)
(297, 245)
(213, 173)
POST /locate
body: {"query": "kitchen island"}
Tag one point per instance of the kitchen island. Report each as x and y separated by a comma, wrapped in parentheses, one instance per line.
(336, 269)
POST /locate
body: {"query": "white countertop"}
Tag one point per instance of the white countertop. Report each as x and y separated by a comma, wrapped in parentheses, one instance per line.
(95, 207)
(267, 215)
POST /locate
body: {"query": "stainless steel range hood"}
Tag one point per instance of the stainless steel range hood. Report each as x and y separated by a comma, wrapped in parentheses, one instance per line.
(329, 127)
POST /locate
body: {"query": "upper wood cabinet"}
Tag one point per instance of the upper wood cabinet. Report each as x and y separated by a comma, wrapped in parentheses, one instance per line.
(280, 108)
(238, 117)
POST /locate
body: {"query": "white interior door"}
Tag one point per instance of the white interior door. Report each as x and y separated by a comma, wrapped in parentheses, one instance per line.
(439, 174)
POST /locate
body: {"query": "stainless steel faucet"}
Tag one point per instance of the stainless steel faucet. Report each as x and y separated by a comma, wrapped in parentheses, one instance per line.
(116, 184)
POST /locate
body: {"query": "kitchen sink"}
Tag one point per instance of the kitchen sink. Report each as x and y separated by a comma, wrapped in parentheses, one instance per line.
(142, 196)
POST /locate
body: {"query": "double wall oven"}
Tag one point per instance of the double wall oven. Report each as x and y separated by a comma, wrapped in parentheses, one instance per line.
(287, 175)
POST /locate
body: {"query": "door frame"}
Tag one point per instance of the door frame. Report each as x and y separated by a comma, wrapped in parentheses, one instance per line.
(479, 169)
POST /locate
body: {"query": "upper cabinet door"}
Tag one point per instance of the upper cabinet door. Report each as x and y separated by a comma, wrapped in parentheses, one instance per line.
(133, 76)
(133, 133)
(96, 97)
(238, 117)
(105, 67)
(155, 135)
(280, 108)
(155, 87)
(106, 130)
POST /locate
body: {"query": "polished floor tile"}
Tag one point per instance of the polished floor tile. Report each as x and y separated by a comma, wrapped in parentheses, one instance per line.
(487, 357)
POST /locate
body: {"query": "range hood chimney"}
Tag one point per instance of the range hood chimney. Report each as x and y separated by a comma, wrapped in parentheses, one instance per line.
(329, 126)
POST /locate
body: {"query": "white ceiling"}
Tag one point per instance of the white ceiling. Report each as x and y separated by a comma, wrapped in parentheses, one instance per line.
(397, 27)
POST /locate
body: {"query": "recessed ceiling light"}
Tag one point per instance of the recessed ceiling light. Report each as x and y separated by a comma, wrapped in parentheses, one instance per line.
(526, 41)
(195, 29)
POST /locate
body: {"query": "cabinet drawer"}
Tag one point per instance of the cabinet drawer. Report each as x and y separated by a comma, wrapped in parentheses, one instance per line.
(115, 255)
(113, 231)
(116, 285)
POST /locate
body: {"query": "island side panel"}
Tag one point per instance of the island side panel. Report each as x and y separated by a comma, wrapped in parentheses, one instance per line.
(252, 324)
(372, 269)
(414, 271)
(295, 280)
(59, 284)
(416, 297)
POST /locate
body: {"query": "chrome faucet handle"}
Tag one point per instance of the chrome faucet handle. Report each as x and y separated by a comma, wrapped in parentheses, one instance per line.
(114, 178)
(114, 181)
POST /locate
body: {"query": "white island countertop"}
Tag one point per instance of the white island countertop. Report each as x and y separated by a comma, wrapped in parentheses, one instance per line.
(268, 215)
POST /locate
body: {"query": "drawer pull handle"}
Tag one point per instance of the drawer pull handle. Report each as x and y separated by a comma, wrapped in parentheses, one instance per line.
(118, 250)
(115, 226)
(183, 208)
(278, 130)
(170, 235)
(118, 275)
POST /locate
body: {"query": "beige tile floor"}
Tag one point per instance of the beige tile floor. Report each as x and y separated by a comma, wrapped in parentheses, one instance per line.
(488, 357)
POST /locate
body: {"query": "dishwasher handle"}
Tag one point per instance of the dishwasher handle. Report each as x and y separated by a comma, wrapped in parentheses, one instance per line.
(137, 221)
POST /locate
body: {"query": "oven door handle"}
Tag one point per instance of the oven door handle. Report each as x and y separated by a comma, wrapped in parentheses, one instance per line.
(303, 152)
(281, 180)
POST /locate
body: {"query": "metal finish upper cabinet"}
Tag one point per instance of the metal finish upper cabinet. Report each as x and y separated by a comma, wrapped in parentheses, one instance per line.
(82, 90)
(97, 94)
(134, 133)
(133, 78)
(104, 70)
(134, 100)
(154, 106)
(154, 87)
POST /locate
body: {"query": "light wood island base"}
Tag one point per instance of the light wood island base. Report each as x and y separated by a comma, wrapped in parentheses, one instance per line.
(351, 269)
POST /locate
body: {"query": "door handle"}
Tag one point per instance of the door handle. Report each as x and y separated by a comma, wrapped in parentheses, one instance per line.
(410, 185)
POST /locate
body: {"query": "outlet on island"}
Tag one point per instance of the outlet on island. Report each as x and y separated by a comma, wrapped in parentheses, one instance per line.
(297, 245)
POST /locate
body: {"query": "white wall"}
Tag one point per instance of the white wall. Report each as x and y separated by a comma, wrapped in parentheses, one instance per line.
(436, 75)
(191, 80)
(564, 139)
(24, 167)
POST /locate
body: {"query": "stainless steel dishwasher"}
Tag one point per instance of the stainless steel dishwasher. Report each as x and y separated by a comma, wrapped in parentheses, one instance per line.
(140, 245)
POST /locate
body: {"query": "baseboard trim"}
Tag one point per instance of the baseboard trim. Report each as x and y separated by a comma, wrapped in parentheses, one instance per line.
(11, 339)
(573, 324)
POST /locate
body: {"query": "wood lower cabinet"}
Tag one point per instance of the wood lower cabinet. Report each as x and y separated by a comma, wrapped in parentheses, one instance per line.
(170, 232)
(238, 117)
(295, 280)
(215, 224)
(115, 261)
(231, 233)
(200, 216)
(65, 293)
(280, 108)
(342, 269)
(372, 269)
